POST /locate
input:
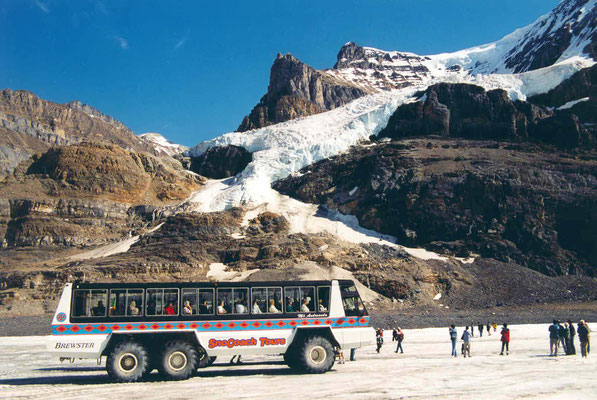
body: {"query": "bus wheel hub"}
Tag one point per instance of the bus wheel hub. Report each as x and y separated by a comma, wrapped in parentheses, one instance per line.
(318, 354)
(177, 360)
(128, 362)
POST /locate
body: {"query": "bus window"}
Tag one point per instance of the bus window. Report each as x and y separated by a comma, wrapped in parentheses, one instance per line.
(206, 301)
(90, 303)
(171, 301)
(134, 301)
(225, 301)
(323, 296)
(155, 301)
(241, 297)
(117, 302)
(307, 299)
(293, 298)
(353, 305)
(266, 300)
(189, 302)
(300, 299)
(274, 300)
(259, 300)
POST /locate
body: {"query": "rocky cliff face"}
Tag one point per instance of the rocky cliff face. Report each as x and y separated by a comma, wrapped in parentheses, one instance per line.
(516, 203)
(87, 194)
(221, 162)
(29, 125)
(470, 112)
(297, 90)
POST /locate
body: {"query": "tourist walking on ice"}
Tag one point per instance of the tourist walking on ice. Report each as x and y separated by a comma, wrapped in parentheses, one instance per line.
(554, 338)
(472, 330)
(399, 338)
(488, 329)
(466, 341)
(454, 339)
(379, 339)
(480, 326)
(584, 336)
(572, 333)
(394, 335)
(563, 331)
(505, 339)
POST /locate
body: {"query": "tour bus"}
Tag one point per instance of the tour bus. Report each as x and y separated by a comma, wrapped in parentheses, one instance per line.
(179, 327)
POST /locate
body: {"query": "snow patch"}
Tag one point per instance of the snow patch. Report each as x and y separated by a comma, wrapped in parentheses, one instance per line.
(572, 103)
(219, 272)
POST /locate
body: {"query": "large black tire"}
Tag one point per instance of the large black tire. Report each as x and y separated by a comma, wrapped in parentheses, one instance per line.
(316, 355)
(204, 360)
(291, 359)
(178, 361)
(128, 362)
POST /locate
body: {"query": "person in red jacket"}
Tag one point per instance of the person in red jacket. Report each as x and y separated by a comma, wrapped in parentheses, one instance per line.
(505, 339)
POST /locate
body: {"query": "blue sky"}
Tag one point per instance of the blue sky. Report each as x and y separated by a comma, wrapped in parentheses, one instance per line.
(192, 69)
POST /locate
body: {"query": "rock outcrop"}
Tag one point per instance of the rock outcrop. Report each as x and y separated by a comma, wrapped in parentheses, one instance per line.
(297, 90)
(469, 112)
(221, 162)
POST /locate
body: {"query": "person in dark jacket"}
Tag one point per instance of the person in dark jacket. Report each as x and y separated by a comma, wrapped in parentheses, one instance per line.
(480, 326)
(554, 338)
(563, 330)
(488, 329)
(379, 339)
(399, 338)
(584, 336)
(394, 335)
(572, 333)
(505, 339)
(453, 339)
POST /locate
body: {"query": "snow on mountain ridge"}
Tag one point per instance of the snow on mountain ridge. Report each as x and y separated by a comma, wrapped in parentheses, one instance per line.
(161, 144)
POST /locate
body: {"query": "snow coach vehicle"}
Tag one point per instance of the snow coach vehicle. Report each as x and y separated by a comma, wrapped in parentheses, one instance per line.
(179, 327)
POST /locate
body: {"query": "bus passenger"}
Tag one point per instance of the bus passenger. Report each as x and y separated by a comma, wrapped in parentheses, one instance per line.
(221, 309)
(322, 308)
(187, 309)
(305, 307)
(239, 307)
(256, 309)
(99, 310)
(272, 307)
(170, 310)
(133, 310)
(289, 307)
(204, 308)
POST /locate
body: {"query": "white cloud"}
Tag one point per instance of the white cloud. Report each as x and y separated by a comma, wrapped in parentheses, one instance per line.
(42, 6)
(180, 43)
(122, 42)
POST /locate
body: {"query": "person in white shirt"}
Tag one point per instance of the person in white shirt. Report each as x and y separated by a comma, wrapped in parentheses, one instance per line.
(240, 308)
(272, 307)
(321, 306)
(305, 307)
(221, 309)
(256, 309)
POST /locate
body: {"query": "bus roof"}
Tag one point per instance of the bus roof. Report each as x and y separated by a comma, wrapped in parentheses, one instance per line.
(109, 285)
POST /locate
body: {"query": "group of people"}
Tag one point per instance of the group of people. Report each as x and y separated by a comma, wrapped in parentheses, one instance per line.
(465, 348)
(397, 336)
(561, 336)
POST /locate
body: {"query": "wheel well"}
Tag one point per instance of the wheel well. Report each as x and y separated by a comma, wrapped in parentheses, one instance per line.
(302, 334)
(153, 342)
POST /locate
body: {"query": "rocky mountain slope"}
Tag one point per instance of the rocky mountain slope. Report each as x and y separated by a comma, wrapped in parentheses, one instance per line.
(29, 125)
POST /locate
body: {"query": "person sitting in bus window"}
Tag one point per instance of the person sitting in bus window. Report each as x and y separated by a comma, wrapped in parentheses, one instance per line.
(322, 308)
(304, 306)
(133, 310)
(272, 307)
(151, 308)
(187, 309)
(289, 306)
(204, 308)
(99, 310)
(170, 310)
(256, 309)
(221, 309)
(239, 307)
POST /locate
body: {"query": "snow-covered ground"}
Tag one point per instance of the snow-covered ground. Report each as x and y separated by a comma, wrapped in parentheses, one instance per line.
(424, 371)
